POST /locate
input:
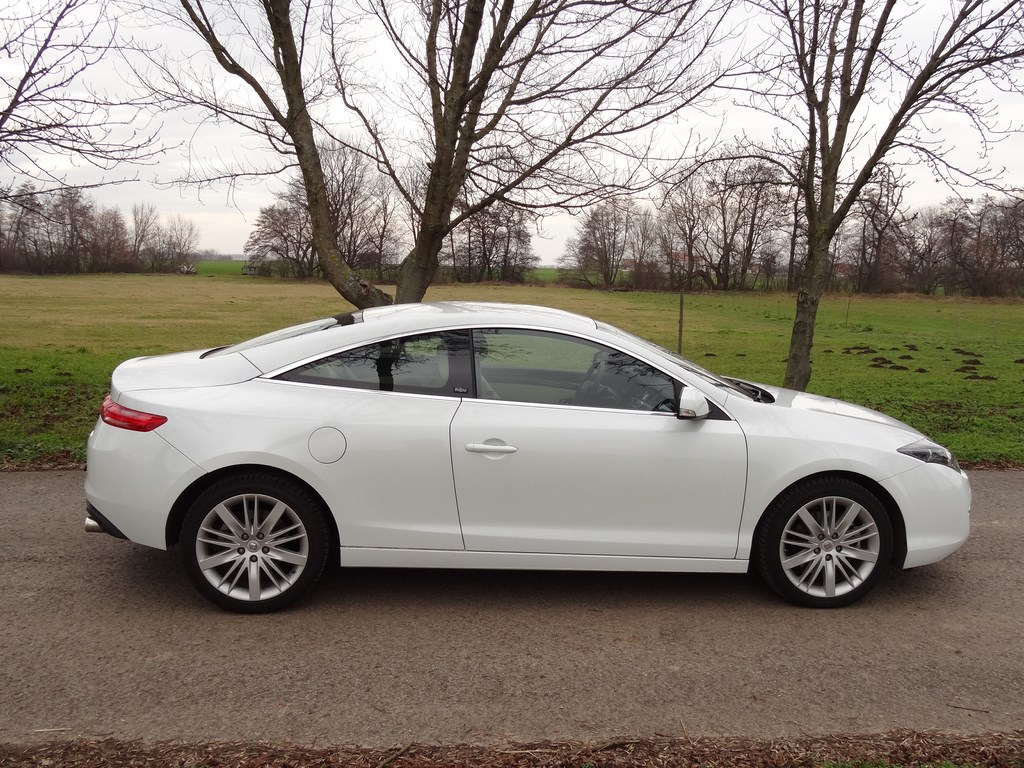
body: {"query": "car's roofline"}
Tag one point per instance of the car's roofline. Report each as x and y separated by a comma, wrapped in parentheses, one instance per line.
(455, 313)
(379, 322)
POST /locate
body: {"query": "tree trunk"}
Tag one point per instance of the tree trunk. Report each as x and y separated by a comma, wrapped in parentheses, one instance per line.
(351, 286)
(299, 126)
(798, 364)
(418, 268)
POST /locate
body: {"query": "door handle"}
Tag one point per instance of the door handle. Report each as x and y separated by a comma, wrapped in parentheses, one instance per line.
(487, 448)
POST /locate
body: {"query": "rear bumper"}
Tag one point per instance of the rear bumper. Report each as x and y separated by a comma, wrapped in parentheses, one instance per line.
(97, 523)
(135, 479)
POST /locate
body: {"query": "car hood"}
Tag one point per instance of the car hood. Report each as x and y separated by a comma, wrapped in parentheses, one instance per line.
(791, 398)
(182, 369)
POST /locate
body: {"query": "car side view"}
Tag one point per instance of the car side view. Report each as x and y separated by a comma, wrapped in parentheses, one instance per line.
(481, 435)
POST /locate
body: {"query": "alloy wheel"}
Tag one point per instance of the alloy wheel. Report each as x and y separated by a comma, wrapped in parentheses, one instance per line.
(252, 547)
(829, 546)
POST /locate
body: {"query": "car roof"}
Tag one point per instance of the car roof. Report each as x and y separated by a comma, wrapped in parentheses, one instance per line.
(459, 313)
(400, 319)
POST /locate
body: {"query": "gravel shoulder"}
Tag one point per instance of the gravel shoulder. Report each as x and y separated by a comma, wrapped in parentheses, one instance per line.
(897, 748)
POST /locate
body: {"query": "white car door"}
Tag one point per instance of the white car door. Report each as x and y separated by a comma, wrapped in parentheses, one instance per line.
(547, 461)
(379, 446)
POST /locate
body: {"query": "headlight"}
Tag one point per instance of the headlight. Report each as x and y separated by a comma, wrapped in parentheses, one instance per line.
(931, 453)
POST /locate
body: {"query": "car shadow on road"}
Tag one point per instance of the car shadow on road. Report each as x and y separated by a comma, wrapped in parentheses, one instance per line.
(559, 589)
(145, 578)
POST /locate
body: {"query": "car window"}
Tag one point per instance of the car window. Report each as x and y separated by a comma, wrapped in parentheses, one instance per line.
(544, 367)
(692, 367)
(423, 364)
(348, 318)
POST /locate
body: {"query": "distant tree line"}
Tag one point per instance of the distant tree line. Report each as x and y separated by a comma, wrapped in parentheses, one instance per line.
(372, 226)
(491, 245)
(363, 214)
(735, 226)
(65, 231)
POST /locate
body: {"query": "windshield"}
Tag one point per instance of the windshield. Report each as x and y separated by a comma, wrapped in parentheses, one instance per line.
(689, 365)
(287, 333)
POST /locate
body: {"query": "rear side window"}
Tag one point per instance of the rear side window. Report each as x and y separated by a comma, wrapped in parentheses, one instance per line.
(431, 363)
(288, 333)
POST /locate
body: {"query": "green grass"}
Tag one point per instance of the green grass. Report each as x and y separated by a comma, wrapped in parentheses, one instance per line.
(542, 275)
(60, 337)
(219, 268)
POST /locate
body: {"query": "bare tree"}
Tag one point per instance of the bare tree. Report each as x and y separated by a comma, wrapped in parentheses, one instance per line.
(145, 225)
(48, 108)
(744, 197)
(64, 231)
(878, 217)
(595, 254)
(525, 103)
(67, 222)
(797, 230)
(685, 222)
(763, 211)
(497, 101)
(361, 216)
(267, 51)
(922, 262)
(724, 213)
(280, 240)
(985, 252)
(19, 223)
(852, 87)
(494, 244)
(645, 268)
(107, 242)
(384, 239)
(172, 245)
(360, 206)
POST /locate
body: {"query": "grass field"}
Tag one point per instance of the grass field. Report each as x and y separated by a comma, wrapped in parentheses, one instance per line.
(952, 368)
(542, 275)
(219, 268)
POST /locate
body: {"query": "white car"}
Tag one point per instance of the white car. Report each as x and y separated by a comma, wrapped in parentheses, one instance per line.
(476, 435)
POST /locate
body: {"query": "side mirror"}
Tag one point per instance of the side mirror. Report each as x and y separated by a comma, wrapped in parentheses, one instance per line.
(692, 405)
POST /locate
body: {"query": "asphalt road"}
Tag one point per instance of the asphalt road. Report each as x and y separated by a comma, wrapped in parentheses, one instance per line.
(100, 637)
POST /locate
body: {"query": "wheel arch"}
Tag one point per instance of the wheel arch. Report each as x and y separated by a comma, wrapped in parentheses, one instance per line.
(892, 509)
(172, 532)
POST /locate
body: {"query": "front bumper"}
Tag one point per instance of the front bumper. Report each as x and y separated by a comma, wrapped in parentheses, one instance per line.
(936, 504)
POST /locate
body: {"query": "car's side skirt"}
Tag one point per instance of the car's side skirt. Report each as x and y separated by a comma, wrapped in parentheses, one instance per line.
(369, 557)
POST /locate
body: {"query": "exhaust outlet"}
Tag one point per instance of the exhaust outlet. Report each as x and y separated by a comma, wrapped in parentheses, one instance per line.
(95, 522)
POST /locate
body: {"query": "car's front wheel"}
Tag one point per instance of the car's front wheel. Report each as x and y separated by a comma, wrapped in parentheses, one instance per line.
(824, 543)
(254, 542)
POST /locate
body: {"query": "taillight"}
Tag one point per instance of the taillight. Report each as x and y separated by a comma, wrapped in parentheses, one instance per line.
(128, 418)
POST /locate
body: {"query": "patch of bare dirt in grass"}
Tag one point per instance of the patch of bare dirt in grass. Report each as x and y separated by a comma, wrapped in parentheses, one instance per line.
(902, 748)
(62, 460)
(1003, 465)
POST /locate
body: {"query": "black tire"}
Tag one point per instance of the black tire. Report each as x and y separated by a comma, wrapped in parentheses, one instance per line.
(254, 542)
(821, 527)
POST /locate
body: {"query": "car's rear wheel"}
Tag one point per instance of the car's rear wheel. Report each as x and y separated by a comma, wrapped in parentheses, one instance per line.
(254, 542)
(824, 543)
